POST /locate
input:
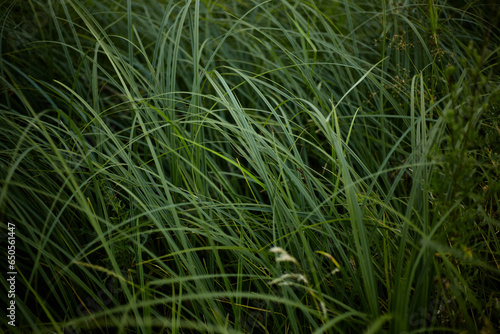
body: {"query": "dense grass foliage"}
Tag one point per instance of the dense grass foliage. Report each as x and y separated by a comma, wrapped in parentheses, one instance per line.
(251, 167)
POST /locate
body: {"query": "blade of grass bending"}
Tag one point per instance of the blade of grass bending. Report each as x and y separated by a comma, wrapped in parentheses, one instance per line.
(354, 86)
(358, 229)
(418, 199)
(236, 164)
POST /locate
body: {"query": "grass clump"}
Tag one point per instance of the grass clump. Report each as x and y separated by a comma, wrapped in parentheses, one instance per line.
(260, 167)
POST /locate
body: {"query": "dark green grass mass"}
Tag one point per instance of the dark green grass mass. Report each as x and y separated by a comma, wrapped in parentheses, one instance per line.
(277, 166)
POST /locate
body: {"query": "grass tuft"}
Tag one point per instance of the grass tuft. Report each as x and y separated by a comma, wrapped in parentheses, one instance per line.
(251, 167)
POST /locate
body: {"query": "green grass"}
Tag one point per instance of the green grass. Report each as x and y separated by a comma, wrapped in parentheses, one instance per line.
(251, 167)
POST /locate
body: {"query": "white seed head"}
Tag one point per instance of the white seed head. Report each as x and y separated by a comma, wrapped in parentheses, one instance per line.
(334, 271)
(282, 280)
(283, 255)
(277, 250)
